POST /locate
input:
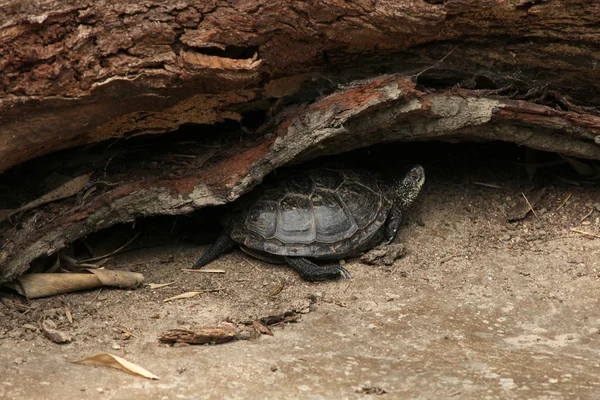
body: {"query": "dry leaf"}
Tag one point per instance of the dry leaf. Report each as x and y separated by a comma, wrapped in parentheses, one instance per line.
(34, 286)
(278, 289)
(582, 168)
(68, 189)
(262, 329)
(121, 279)
(159, 285)
(68, 314)
(117, 362)
(186, 295)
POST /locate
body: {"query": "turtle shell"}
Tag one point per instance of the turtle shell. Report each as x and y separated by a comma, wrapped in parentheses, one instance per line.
(321, 213)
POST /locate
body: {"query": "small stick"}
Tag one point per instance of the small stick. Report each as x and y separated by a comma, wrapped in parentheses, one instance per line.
(529, 204)
(585, 233)
(205, 271)
(564, 201)
(436, 64)
(95, 297)
(252, 265)
(586, 215)
(347, 287)
(112, 253)
(184, 155)
(489, 185)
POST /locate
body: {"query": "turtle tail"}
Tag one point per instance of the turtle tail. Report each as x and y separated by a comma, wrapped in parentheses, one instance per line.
(222, 244)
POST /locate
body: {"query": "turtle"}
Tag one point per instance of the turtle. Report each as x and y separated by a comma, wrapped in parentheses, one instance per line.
(321, 213)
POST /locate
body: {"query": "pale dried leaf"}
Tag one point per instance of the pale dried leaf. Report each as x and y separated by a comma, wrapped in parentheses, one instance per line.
(186, 295)
(68, 189)
(159, 285)
(120, 279)
(262, 329)
(113, 361)
(68, 314)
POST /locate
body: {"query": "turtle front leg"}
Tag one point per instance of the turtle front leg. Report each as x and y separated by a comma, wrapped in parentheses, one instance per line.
(312, 272)
(392, 225)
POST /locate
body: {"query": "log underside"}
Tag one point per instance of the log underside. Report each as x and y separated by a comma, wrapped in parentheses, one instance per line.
(298, 81)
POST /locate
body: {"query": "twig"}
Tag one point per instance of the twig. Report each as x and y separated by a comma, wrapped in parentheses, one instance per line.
(529, 204)
(204, 271)
(95, 297)
(219, 289)
(174, 223)
(585, 233)
(347, 287)
(112, 253)
(489, 185)
(184, 155)
(415, 77)
(252, 265)
(564, 201)
(586, 215)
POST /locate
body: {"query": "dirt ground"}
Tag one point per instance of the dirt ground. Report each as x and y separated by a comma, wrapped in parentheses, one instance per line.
(478, 308)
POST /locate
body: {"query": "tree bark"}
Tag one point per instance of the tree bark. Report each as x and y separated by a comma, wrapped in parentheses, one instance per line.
(328, 77)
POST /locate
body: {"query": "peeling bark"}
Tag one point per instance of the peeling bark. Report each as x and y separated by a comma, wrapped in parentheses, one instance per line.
(80, 73)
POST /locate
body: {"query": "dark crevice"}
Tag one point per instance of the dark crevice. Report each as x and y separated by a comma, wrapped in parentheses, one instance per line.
(526, 6)
(233, 52)
(456, 164)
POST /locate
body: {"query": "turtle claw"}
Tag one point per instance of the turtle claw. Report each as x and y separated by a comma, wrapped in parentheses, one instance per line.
(312, 272)
(343, 272)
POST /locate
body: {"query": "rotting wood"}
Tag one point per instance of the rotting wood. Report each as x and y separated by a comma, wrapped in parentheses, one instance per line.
(77, 73)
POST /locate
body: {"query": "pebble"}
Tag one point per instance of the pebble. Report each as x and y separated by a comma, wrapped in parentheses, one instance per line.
(29, 327)
(18, 360)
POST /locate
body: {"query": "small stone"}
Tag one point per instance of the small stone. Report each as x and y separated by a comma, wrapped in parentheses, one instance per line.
(247, 334)
(50, 324)
(116, 346)
(570, 337)
(316, 296)
(274, 368)
(54, 335)
(29, 327)
(18, 360)
(586, 223)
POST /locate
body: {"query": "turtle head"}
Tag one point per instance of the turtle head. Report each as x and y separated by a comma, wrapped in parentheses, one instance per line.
(406, 189)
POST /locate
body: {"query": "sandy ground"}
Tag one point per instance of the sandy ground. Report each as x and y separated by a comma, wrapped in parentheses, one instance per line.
(478, 308)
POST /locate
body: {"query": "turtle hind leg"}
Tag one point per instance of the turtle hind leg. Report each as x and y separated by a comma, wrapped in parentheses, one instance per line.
(312, 272)
(222, 244)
